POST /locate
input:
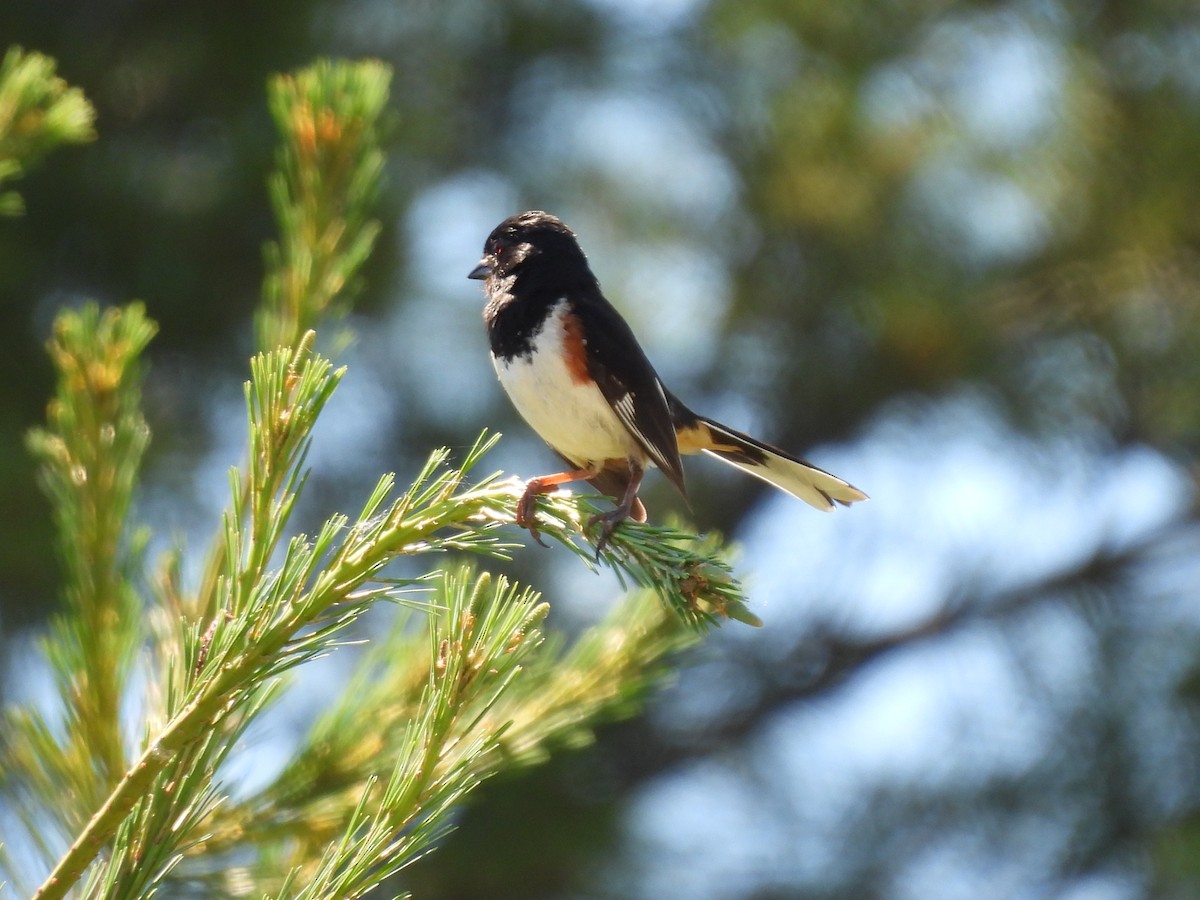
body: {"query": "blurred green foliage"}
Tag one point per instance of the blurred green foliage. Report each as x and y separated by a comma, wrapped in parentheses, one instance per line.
(38, 112)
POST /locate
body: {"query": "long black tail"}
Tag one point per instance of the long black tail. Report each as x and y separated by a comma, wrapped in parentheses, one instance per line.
(801, 479)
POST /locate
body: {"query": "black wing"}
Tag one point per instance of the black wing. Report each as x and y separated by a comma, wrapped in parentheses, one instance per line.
(630, 384)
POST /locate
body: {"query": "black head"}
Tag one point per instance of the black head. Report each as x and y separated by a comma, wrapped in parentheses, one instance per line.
(533, 241)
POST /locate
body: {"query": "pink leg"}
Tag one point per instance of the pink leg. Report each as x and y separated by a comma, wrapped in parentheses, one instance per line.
(526, 513)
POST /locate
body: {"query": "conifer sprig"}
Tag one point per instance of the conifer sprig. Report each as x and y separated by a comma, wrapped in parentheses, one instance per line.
(273, 619)
(90, 453)
(329, 167)
(462, 685)
(38, 112)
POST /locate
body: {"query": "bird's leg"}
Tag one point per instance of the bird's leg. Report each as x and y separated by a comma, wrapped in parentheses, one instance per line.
(610, 520)
(526, 512)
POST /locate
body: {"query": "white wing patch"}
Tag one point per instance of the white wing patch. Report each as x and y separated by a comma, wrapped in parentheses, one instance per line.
(627, 412)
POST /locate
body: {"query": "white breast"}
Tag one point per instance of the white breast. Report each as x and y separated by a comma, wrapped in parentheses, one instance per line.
(573, 418)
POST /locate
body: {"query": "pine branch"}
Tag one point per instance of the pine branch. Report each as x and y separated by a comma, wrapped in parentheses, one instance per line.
(553, 702)
(328, 171)
(327, 175)
(90, 453)
(481, 633)
(279, 619)
(38, 112)
(444, 702)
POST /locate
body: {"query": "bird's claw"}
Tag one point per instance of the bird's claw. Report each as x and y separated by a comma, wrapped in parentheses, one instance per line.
(608, 523)
(527, 515)
(533, 533)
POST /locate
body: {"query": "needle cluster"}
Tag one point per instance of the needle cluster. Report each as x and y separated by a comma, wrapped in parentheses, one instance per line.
(127, 782)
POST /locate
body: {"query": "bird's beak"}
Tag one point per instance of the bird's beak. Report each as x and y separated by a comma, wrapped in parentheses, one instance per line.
(483, 270)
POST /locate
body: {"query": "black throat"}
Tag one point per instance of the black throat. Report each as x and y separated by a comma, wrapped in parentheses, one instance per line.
(512, 322)
(517, 305)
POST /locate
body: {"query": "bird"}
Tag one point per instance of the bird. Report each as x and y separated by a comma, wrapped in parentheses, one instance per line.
(577, 375)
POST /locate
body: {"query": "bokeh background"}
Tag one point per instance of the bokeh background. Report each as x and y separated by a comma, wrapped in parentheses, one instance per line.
(951, 251)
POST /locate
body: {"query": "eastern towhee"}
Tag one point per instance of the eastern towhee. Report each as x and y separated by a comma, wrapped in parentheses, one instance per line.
(575, 372)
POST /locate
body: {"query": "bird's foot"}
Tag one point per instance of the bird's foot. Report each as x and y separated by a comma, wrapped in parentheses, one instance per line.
(527, 510)
(607, 523)
(545, 484)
